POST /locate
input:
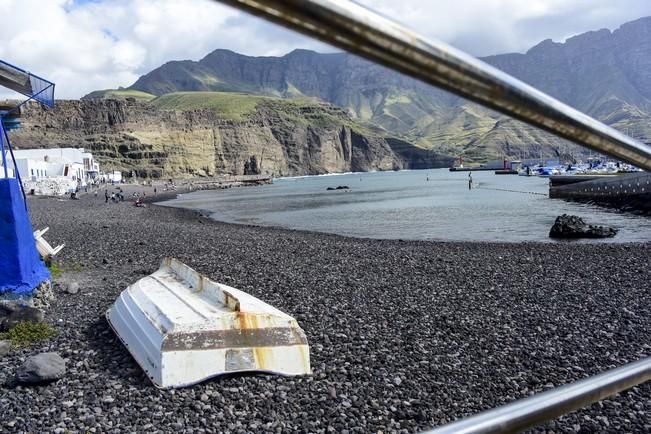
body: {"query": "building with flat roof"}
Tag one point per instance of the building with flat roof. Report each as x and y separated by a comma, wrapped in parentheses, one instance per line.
(72, 163)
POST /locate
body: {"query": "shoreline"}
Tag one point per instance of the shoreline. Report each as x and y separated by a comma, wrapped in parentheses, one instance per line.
(403, 335)
(170, 196)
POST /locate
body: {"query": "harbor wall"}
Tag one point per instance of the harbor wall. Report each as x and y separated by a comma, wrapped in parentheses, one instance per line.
(629, 192)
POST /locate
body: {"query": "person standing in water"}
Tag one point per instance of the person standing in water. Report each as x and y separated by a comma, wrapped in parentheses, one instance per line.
(469, 180)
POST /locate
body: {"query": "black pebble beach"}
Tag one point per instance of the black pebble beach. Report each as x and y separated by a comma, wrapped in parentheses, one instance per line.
(404, 336)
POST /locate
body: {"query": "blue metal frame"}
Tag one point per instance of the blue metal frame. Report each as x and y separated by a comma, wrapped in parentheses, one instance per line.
(5, 139)
(33, 96)
(4, 155)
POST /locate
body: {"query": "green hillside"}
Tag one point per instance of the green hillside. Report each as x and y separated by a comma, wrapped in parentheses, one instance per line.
(228, 105)
(120, 93)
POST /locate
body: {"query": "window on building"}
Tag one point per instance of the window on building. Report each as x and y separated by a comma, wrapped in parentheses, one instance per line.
(32, 172)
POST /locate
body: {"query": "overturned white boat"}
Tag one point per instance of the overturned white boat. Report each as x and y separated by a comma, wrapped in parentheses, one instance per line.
(183, 328)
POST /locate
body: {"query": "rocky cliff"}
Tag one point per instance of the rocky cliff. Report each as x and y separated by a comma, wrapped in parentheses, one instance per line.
(271, 137)
(605, 74)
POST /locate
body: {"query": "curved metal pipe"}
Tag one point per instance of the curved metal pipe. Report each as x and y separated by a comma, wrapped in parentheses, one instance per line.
(356, 29)
(529, 412)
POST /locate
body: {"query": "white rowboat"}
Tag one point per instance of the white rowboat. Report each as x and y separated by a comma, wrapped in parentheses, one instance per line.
(182, 328)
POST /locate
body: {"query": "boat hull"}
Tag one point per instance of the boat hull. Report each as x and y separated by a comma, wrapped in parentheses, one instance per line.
(183, 328)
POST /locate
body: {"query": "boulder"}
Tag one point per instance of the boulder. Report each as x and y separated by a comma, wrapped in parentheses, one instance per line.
(13, 313)
(571, 226)
(71, 288)
(44, 367)
(5, 347)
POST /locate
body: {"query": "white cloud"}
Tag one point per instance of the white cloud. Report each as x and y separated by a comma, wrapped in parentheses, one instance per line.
(85, 46)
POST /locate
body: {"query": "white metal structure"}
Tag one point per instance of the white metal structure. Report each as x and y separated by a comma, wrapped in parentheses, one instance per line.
(183, 328)
(44, 248)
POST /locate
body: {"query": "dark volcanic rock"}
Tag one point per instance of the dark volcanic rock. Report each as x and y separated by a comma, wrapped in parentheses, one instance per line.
(41, 368)
(276, 137)
(14, 313)
(571, 226)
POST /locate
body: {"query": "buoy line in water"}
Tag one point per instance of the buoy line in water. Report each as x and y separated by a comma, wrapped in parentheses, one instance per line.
(514, 191)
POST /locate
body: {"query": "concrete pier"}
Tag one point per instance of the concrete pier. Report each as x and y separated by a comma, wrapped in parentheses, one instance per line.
(631, 191)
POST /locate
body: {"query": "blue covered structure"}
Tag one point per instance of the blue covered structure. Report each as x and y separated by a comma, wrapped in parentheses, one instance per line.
(21, 268)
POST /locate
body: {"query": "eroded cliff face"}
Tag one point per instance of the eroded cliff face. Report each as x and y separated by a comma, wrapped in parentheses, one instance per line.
(602, 73)
(138, 139)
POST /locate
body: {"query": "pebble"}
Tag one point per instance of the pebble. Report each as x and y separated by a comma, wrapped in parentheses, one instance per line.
(5, 347)
(72, 288)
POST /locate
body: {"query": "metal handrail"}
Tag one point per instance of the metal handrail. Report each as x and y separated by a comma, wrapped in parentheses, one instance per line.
(529, 412)
(356, 29)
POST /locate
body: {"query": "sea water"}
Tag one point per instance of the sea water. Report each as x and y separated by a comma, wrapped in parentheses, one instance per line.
(411, 205)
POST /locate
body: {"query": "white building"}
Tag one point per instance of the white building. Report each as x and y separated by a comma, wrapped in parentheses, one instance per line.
(74, 164)
(31, 169)
(10, 172)
(114, 176)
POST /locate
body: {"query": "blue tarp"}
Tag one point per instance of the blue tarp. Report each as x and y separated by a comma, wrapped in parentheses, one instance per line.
(21, 268)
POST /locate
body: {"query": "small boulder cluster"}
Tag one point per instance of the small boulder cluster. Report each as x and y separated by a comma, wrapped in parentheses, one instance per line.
(19, 321)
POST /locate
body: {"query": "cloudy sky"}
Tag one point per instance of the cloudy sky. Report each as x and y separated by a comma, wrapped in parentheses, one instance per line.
(85, 45)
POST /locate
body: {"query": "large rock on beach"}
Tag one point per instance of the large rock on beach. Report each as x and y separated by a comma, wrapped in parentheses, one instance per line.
(571, 226)
(44, 367)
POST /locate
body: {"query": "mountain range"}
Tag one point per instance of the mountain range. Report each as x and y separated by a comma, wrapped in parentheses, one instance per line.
(602, 73)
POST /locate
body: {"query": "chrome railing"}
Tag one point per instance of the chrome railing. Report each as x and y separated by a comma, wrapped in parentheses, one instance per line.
(354, 28)
(536, 409)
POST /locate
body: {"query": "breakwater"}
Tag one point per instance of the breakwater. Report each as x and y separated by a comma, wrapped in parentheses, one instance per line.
(630, 191)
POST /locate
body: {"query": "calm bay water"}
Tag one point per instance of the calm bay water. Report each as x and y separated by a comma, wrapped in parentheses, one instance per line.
(405, 205)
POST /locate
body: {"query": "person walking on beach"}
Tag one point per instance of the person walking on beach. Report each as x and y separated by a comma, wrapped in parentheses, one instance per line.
(106, 196)
(470, 180)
